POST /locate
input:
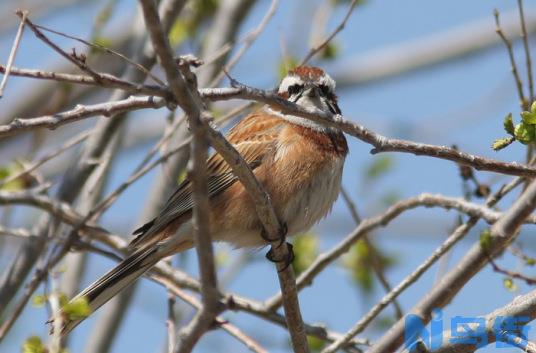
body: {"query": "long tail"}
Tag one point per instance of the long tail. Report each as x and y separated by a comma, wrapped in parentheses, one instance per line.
(117, 279)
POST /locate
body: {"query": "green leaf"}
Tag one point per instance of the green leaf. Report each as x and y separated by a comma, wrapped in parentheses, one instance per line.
(390, 197)
(485, 239)
(384, 322)
(315, 343)
(285, 65)
(530, 261)
(509, 284)
(103, 41)
(305, 251)
(329, 52)
(39, 300)
(182, 176)
(528, 117)
(9, 170)
(33, 344)
(509, 124)
(378, 167)
(359, 263)
(222, 257)
(533, 107)
(179, 32)
(501, 143)
(77, 309)
(524, 133)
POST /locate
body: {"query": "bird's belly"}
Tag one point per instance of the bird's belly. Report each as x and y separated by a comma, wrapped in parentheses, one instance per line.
(310, 201)
(314, 199)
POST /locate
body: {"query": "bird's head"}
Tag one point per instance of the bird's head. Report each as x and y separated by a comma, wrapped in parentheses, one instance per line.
(310, 87)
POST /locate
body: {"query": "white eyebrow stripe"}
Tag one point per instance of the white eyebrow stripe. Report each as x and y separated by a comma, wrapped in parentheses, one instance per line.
(328, 81)
(289, 81)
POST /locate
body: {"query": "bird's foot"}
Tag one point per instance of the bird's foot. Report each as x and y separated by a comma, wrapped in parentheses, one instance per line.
(287, 260)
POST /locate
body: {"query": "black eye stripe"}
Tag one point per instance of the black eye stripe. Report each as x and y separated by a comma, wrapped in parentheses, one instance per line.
(295, 89)
(325, 89)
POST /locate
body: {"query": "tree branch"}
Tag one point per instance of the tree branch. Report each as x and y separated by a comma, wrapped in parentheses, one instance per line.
(502, 233)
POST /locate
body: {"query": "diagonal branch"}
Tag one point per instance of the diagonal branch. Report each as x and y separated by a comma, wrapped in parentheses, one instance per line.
(521, 307)
(503, 232)
(13, 52)
(192, 106)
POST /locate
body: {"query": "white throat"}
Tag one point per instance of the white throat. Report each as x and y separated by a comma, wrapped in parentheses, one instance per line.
(308, 103)
(300, 121)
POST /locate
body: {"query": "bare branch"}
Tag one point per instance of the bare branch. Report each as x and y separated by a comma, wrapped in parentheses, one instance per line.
(248, 41)
(522, 306)
(438, 48)
(513, 66)
(73, 58)
(339, 28)
(13, 52)
(376, 258)
(192, 106)
(368, 224)
(456, 236)
(162, 272)
(528, 59)
(30, 168)
(141, 68)
(502, 233)
(82, 111)
(106, 81)
(380, 143)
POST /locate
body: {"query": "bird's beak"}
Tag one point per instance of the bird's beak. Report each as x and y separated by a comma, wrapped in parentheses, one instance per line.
(312, 92)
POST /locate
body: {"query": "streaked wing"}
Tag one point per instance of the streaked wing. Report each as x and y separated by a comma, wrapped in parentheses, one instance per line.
(253, 137)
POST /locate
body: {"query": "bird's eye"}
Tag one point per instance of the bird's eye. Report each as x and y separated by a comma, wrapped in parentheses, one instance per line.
(292, 90)
(324, 89)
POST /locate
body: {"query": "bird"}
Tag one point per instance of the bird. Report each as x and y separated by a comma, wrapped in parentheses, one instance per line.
(299, 163)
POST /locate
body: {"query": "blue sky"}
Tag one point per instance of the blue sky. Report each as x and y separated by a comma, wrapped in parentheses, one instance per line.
(460, 102)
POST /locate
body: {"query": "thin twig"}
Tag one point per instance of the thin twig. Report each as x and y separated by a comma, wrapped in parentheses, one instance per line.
(13, 52)
(456, 236)
(519, 84)
(30, 168)
(106, 81)
(512, 274)
(162, 272)
(144, 70)
(379, 142)
(368, 224)
(248, 41)
(376, 260)
(502, 233)
(77, 60)
(339, 28)
(528, 59)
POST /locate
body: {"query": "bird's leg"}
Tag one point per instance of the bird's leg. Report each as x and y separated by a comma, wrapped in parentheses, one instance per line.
(283, 229)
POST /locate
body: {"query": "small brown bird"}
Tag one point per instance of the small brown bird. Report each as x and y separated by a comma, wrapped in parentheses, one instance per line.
(299, 163)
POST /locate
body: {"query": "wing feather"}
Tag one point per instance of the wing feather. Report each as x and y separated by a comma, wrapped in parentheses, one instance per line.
(253, 137)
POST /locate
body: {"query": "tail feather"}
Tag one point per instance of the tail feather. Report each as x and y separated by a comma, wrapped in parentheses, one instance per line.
(117, 279)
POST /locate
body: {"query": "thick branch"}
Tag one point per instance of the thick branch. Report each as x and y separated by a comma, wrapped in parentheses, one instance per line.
(502, 233)
(522, 306)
